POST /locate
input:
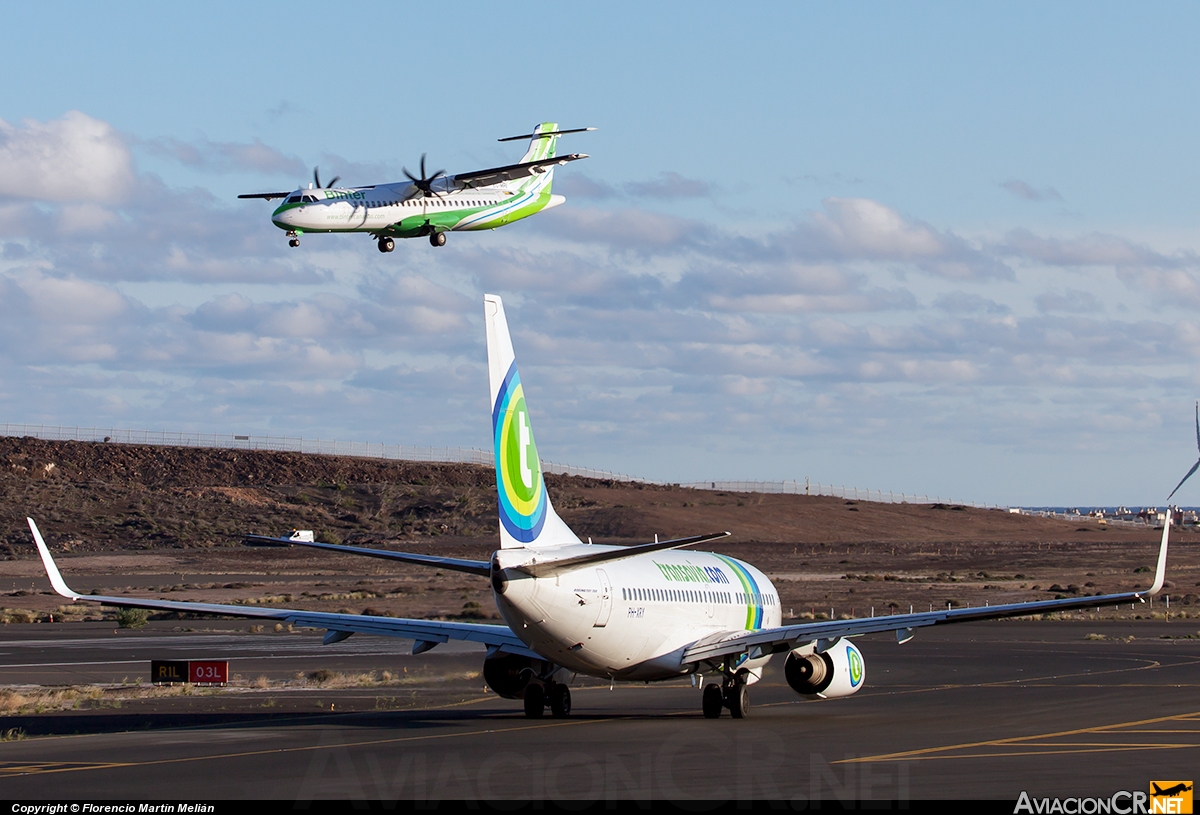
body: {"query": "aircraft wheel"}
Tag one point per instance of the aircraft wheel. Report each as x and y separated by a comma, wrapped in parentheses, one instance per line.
(386, 244)
(294, 242)
(437, 238)
(535, 701)
(560, 701)
(712, 701)
(737, 698)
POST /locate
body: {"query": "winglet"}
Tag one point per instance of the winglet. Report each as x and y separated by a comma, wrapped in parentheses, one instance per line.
(56, 579)
(1160, 572)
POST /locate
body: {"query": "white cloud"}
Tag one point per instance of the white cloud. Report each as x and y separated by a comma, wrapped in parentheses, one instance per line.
(1027, 192)
(1095, 249)
(227, 157)
(1070, 300)
(669, 186)
(85, 218)
(75, 158)
(863, 229)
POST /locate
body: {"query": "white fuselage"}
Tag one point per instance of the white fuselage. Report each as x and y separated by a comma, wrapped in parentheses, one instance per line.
(400, 207)
(633, 618)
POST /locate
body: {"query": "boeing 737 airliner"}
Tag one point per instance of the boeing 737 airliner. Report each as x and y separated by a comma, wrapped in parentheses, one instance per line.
(648, 612)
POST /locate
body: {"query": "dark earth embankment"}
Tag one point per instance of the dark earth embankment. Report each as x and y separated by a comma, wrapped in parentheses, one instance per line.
(111, 509)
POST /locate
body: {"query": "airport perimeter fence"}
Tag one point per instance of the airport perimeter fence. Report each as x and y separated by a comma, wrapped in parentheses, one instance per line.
(445, 455)
(807, 487)
(1075, 516)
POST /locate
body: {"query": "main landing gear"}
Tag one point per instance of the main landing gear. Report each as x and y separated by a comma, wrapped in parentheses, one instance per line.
(555, 695)
(386, 245)
(733, 693)
(437, 238)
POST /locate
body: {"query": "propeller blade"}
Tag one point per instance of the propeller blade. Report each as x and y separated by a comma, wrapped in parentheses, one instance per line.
(336, 179)
(424, 183)
(316, 178)
(1195, 467)
(1198, 425)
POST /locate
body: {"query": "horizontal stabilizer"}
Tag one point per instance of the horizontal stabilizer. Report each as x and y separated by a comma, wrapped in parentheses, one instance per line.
(479, 567)
(549, 567)
(547, 133)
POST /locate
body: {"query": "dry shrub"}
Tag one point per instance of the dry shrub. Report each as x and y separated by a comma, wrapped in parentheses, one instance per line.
(132, 617)
(42, 700)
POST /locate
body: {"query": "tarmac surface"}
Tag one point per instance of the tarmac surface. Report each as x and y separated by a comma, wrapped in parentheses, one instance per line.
(978, 711)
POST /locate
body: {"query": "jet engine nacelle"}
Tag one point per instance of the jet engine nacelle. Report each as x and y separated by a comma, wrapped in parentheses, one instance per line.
(837, 671)
(509, 674)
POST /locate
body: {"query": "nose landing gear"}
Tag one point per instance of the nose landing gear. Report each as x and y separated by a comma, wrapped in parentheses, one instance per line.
(295, 239)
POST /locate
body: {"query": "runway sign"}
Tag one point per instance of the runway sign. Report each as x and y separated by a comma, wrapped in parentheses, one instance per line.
(163, 670)
(211, 672)
(205, 672)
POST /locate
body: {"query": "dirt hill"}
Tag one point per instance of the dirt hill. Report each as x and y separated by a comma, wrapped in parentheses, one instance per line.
(96, 496)
(113, 512)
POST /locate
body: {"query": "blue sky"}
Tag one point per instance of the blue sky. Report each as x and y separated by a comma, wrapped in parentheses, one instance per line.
(943, 248)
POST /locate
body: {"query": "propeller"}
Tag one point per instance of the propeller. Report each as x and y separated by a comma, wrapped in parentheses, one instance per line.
(317, 180)
(424, 184)
(1195, 466)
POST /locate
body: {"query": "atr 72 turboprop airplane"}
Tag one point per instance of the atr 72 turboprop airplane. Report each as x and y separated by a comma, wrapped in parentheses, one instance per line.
(430, 206)
(647, 612)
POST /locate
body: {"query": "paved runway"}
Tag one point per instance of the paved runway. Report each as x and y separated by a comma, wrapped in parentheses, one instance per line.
(973, 711)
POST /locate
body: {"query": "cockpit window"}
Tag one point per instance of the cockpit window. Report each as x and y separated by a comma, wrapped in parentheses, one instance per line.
(294, 199)
(310, 199)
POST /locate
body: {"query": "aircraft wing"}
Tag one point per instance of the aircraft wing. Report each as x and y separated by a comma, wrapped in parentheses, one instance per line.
(496, 175)
(425, 633)
(453, 564)
(265, 195)
(785, 638)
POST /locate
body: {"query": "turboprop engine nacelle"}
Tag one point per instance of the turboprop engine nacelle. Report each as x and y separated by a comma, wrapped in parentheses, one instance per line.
(837, 671)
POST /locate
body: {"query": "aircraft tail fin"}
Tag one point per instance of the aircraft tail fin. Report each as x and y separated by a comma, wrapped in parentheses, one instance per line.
(543, 143)
(527, 518)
